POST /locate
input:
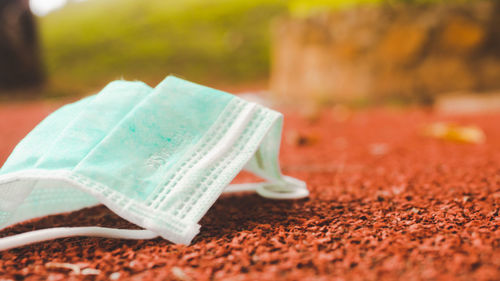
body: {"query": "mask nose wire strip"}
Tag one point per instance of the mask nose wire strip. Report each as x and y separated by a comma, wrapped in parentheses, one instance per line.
(41, 235)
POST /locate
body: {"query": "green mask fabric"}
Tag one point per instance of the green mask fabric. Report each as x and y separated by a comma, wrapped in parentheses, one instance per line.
(158, 158)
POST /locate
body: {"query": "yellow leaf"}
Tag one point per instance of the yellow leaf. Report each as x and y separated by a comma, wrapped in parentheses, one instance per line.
(456, 133)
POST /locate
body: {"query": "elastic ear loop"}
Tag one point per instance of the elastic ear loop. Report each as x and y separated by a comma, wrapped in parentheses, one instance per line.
(289, 188)
(41, 235)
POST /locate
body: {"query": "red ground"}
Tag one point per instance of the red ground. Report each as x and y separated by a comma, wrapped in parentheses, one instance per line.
(386, 204)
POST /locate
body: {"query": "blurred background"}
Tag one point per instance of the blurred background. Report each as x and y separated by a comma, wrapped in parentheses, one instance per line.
(392, 113)
(320, 52)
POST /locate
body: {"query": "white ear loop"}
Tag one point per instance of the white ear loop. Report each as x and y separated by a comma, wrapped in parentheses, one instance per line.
(290, 188)
(36, 236)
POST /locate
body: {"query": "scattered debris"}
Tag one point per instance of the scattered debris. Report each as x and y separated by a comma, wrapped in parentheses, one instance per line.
(415, 210)
(90, 271)
(398, 189)
(456, 133)
(114, 276)
(378, 149)
(300, 139)
(75, 269)
(56, 277)
(180, 274)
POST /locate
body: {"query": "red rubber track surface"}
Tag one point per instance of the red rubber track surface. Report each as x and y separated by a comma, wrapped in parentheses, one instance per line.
(386, 204)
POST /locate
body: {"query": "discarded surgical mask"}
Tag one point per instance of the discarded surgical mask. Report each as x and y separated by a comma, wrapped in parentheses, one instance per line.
(158, 158)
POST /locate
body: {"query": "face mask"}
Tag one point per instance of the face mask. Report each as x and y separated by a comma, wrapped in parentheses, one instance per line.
(158, 158)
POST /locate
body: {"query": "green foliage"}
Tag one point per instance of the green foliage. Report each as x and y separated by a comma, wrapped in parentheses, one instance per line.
(303, 8)
(90, 43)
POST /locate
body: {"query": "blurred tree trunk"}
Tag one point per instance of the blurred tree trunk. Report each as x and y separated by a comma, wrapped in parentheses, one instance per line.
(20, 64)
